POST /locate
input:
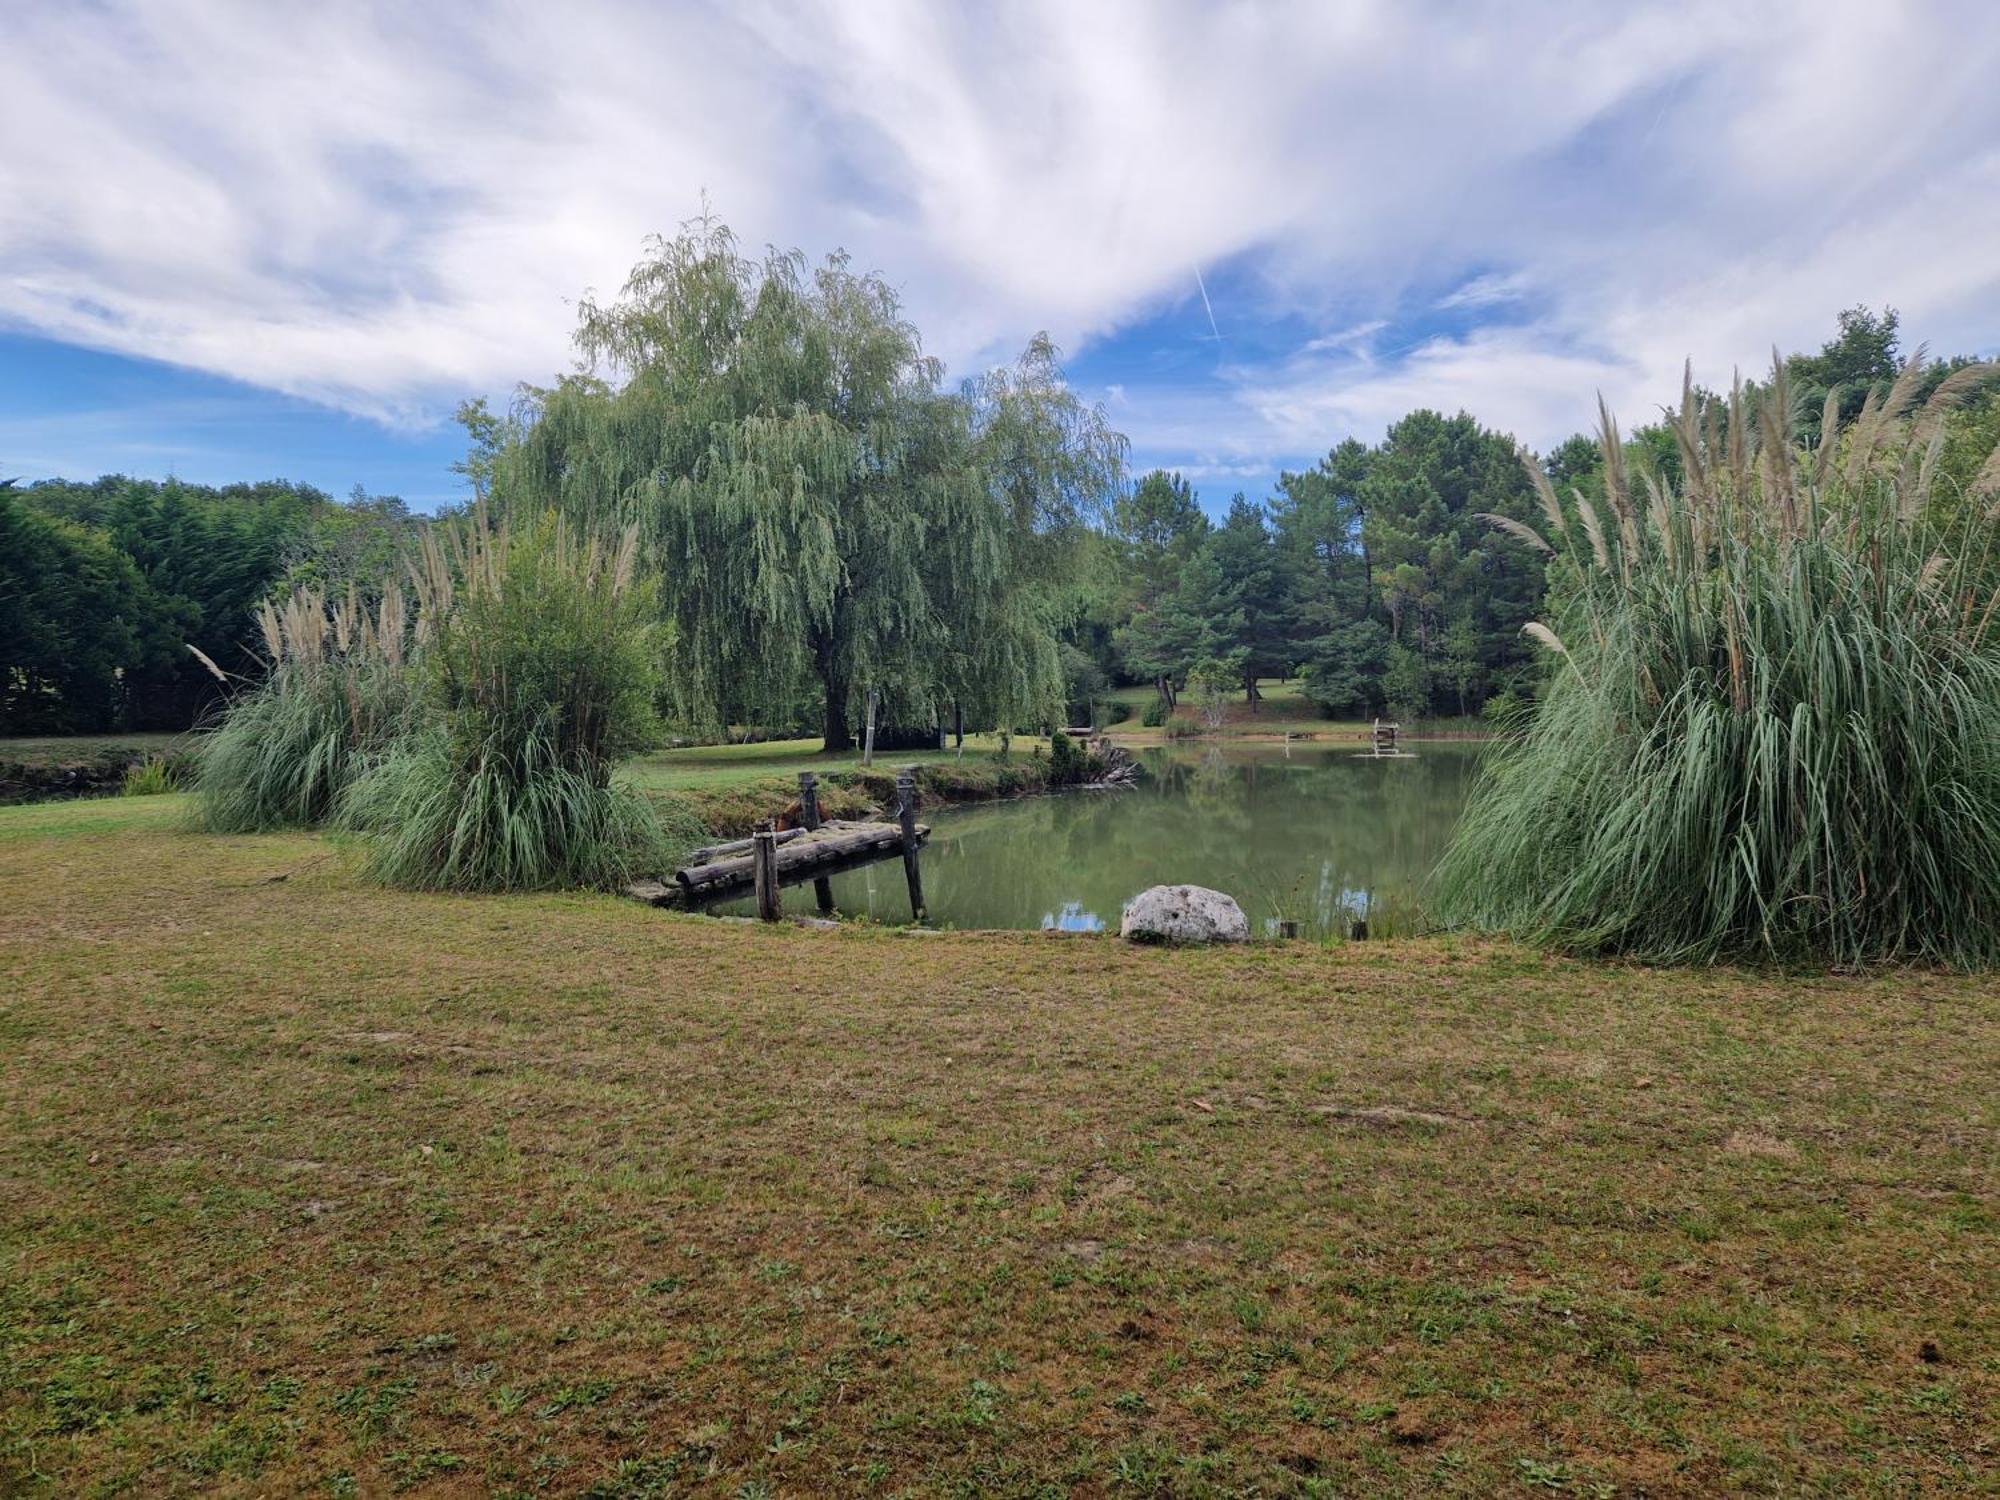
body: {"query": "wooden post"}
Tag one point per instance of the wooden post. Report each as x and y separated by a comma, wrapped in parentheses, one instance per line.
(868, 738)
(764, 868)
(810, 818)
(906, 814)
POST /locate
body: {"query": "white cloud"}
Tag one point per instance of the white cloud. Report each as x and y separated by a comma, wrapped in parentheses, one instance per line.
(1486, 291)
(383, 208)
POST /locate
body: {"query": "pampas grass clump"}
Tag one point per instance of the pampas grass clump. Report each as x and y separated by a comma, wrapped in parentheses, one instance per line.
(335, 692)
(1773, 729)
(541, 676)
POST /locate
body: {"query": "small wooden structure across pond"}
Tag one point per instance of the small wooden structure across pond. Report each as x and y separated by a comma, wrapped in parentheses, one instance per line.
(1385, 744)
(772, 857)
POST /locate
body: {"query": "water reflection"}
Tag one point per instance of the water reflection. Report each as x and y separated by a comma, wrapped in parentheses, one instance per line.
(1312, 834)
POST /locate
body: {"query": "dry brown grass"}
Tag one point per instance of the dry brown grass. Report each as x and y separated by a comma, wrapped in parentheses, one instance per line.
(306, 1187)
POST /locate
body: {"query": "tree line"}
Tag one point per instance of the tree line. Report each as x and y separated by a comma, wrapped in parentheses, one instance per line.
(106, 584)
(1375, 575)
(840, 538)
(1386, 577)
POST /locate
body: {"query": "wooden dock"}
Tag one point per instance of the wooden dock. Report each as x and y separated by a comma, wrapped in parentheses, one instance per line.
(772, 858)
(728, 869)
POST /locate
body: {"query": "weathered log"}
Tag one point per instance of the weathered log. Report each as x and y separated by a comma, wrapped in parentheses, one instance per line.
(764, 869)
(711, 852)
(809, 815)
(834, 842)
(906, 817)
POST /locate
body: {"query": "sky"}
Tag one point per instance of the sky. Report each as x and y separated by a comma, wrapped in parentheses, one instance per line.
(272, 239)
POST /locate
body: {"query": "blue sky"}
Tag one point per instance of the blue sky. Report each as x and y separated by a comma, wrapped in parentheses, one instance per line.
(267, 239)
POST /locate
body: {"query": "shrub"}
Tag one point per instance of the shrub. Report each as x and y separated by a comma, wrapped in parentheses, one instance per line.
(1773, 728)
(335, 692)
(1069, 763)
(540, 677)
(151, 777)
(1210, 684)
(1156, 713)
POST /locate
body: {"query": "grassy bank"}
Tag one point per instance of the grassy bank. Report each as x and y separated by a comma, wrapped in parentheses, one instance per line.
(307, 1187)
(35, 769)
(1282, 710)
(729, 788)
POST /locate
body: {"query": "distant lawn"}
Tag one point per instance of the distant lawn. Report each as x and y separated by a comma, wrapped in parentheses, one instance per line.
(1283, 707)
(308, 1188)
(717, 765)
(84, 749)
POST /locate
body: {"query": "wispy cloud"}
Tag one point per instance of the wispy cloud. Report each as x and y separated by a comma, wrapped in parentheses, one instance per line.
(1486, 291)
(383, 208)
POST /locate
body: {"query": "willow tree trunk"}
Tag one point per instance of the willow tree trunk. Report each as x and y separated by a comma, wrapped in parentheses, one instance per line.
(834, 681)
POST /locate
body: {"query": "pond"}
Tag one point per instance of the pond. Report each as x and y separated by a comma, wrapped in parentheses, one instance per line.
(1318, 834)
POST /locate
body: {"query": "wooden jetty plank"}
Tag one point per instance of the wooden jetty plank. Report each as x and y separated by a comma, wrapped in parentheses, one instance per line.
(737, 846)
(834, 842)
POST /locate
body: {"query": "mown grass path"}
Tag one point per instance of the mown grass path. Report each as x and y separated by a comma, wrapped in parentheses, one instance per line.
(309, 1188)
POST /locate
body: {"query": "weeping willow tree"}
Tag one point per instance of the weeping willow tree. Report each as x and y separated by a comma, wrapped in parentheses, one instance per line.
(827, 520)
(1773, 729)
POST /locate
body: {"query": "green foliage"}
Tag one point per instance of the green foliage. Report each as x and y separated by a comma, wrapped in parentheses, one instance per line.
(105, 585)
(1774, 728)
(830, 521)
(1156, 713)
(151, 777)
(540, 677)
(1406, 684)
(71, 617)
(1344, 668)
(1439, 569)
(1209, 684)
(1069, 763)
(1161, 527)
(335, 692)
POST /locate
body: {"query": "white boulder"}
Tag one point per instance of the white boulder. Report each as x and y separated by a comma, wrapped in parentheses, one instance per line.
(1183, 914)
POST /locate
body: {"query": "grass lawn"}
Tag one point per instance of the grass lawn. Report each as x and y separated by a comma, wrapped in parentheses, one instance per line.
(704, 766)
(727, 789)
(79, 749)
(310, 1188)
(1284, 708)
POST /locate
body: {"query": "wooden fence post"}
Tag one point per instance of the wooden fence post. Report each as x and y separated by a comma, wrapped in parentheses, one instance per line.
(906, 814)
(809, 816)
(764, 868)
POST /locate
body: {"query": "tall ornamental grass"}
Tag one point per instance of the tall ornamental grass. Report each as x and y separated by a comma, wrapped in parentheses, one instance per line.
(1773, 730)
(334, 692)
(540, 677)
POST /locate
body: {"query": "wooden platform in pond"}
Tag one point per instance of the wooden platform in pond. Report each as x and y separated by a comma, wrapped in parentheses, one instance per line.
(725, 870)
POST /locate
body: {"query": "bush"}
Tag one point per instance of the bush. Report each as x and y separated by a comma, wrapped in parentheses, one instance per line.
(151, 777)
(336, 691)
(1774, 724)
(541, 676)
(1210, 685)
(1069, 763)
(1156, 713)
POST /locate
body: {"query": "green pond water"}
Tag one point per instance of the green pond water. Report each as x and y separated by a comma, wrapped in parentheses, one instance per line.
(1319, 835)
